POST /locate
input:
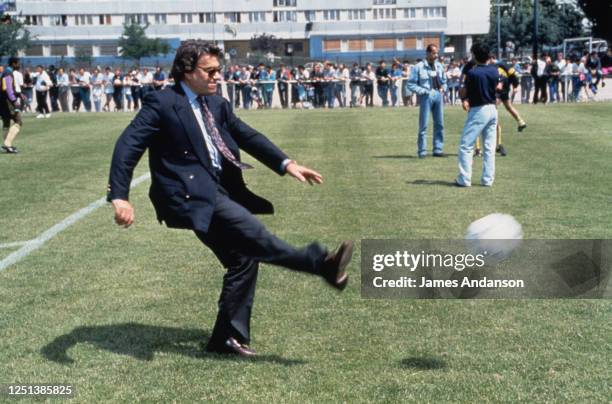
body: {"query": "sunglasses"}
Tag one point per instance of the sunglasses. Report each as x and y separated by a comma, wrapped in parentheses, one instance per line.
(211, 71)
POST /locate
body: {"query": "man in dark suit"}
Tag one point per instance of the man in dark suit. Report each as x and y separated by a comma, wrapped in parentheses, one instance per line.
(193, 138)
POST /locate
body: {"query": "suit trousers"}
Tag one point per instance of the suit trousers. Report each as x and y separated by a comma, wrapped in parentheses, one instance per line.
(240, 242)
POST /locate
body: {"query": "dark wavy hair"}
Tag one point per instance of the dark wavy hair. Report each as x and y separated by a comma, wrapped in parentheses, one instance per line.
(481, 52)
(188, 54)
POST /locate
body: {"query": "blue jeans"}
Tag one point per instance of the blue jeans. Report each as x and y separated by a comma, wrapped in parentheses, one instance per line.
(483, 120)
(246, 97)
(553, 89)
(393, 95)
(329, 94)
(340, 92)
(268, 97)
(576, 87)
(434, 104)
(355, 92)
(86, 97)
(383, 93)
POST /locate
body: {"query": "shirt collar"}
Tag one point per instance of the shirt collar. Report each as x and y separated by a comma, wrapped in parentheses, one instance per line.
(191, 96)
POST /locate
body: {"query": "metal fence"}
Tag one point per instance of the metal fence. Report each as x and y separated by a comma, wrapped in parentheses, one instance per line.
(257, 94)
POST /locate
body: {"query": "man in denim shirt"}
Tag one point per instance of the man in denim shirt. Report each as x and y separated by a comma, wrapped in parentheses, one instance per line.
(428, 81)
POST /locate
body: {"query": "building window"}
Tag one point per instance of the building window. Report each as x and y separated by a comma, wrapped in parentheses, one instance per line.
(282, 16)
(58, 20)
(207, 18)
(258, 16)
(384, 2)
(310, 15)
(434, 12)
(232, 17)
(108, 50)
(385, 13)
(410, 13)
(34, 50)
(137, 18)
(83, 19)
(331, 15)
(59, 50)
(186, 18)
(160, 18)
(284, 3)
(291, 48)
(33, 20)
(105, 19)
(356, 14)
(83, 50)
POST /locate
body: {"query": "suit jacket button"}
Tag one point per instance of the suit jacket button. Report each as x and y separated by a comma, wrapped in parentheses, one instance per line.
(186, 152)
(187, 196)
(191, 176)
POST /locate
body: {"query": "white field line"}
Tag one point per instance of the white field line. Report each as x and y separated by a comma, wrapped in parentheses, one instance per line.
(15, 244)
(30, 246)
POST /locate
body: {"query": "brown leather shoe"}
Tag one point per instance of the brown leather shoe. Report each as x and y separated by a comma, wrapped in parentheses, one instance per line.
(334, 266)
(233, 347)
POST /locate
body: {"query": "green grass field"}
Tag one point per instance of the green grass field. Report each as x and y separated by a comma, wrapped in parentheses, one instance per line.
(120, 313)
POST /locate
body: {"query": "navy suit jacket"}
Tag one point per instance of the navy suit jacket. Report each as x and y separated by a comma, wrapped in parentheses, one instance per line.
(184, 183)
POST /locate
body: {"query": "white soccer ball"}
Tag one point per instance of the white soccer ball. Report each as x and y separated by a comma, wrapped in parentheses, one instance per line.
(495, 236)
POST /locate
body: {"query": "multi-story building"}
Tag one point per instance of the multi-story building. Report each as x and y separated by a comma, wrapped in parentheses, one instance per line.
(319, 29)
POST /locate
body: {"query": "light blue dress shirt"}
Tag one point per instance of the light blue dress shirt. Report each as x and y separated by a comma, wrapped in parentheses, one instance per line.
(215, 158)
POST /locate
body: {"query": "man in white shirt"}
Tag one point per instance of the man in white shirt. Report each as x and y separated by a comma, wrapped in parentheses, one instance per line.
(541, 79)
(147, 82)
(18, 81)
(43, 83)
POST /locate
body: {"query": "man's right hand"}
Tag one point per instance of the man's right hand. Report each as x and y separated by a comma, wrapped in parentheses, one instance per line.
(466, 105)
(124, 212)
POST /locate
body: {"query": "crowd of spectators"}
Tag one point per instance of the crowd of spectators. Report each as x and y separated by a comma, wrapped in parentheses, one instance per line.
(87, 90)
(315, 85)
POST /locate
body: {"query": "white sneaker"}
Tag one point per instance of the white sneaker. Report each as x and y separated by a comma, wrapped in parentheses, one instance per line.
(48, 116)
(39, 116)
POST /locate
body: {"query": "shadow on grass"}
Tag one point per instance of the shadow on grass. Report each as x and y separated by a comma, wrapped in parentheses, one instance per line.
(142, 342)
(432, 182)
(423, 363)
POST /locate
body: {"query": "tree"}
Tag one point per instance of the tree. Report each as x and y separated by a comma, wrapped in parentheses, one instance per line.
(135, 44)
(556, 22)
(600, 14)
(14, 37)
(265, 43)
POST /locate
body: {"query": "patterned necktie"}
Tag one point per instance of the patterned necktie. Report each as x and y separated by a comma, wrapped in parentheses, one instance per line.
(209, 122)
